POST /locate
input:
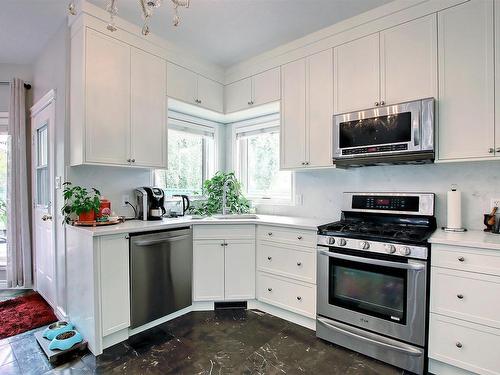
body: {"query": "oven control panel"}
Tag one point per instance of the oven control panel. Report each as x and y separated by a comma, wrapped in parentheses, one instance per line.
(402, 250)
(386, 202)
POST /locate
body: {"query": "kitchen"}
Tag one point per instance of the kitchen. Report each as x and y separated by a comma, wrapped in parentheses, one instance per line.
(290, 183)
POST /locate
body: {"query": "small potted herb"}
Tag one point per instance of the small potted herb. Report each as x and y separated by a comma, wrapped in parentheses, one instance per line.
(79, 202)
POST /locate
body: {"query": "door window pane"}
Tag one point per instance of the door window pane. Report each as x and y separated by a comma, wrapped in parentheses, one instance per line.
(42, 170)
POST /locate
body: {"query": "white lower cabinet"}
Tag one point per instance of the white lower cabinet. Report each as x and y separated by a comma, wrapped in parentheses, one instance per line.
(223, 262)
(464, 328)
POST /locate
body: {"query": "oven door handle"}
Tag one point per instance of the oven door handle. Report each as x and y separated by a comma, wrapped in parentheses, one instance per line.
(407, 350)
(375, 262)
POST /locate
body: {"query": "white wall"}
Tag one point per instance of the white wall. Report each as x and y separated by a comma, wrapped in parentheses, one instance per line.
(322, 189)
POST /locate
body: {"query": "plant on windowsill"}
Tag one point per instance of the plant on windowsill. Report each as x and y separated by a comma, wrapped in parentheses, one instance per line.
(80, 203)
(213, 190)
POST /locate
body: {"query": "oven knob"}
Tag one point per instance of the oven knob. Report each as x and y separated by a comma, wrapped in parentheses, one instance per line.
(364, 245)
(391, 249)
(405, 250)
(342, 242)
(331, 241)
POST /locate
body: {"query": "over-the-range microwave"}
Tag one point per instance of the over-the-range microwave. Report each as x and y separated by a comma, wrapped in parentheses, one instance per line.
(393, 134)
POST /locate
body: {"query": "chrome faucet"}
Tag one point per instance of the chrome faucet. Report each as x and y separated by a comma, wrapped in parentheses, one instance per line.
(224, 198)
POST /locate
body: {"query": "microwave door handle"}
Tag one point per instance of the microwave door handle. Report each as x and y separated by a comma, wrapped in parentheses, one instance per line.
(375, 262)
(410, 351)
(416, 132)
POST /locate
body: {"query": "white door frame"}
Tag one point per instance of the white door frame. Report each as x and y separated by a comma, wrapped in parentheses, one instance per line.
(46, 101)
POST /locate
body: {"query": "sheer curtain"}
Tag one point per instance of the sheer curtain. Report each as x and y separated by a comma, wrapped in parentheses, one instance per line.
(19, 264)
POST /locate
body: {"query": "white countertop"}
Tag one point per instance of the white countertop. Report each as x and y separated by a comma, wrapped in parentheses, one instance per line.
(134, 226)
(471, 238)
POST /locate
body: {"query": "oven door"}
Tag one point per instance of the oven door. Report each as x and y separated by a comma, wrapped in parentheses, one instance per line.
(384, 296)
(402, 128)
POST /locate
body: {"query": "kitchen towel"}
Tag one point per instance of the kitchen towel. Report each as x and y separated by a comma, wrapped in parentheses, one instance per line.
(454, 199)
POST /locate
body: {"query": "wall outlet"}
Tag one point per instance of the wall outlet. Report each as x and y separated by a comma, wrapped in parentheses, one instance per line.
(125, 198)
(495, 202)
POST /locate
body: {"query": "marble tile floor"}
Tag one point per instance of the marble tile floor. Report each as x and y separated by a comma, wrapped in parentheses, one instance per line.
(215, 342)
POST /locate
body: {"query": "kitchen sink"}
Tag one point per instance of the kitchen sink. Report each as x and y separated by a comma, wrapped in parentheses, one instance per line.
(235, 217)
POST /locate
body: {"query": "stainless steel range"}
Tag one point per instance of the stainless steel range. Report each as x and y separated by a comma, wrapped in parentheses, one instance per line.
(373, 277)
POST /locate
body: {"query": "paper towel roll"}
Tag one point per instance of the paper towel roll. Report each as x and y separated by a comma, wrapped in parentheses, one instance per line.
(454, 209)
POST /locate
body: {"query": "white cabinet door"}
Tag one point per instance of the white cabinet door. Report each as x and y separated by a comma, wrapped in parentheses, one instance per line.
(466, 81)
(266, 87)
(356, 74)
(293, 114)
(208, 270)
(238, 95)
(497, 79)
(319, 108)
(148, 110)
(107, 118)
(240, 270)
(210, 94)
(114, 283)
(181, 83)
(408, 56)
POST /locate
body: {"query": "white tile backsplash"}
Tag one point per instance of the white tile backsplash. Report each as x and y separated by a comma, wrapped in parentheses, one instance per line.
(322, 189)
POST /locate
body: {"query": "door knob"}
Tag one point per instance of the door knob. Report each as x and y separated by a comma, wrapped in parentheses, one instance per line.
(46, 217)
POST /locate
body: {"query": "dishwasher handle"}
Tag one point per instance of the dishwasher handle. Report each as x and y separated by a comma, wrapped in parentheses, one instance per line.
(160, 240)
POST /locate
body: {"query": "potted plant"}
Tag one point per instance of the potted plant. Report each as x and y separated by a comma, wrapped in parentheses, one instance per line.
(213, 190)
(79, 202)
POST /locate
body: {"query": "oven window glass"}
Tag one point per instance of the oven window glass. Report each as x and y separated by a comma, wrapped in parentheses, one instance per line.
(374, 290)
(376, 131)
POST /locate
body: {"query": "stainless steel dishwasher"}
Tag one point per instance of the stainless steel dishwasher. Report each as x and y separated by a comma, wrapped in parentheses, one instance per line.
(161, 268)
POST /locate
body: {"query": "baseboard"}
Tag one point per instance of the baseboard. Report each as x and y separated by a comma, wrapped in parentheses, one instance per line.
(441, 368)
(278, 312)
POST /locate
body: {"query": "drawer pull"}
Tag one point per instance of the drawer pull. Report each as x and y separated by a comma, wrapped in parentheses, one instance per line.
(299, 237)
(461, 259)
(269, 258)
(299, 264)
(299, 298)
(269, 233)
(458, 345)
(269, 289)
(460, 296)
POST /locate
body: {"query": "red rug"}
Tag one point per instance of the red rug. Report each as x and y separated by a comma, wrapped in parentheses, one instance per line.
(24, 313)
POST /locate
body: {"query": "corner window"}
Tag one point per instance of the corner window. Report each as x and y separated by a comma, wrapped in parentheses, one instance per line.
(191, 158)
(258, 162)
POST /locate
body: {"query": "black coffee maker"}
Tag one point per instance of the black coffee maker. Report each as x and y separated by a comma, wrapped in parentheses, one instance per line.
(150, 203)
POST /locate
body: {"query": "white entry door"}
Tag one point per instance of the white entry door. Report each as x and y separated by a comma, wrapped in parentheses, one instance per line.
(42, 125)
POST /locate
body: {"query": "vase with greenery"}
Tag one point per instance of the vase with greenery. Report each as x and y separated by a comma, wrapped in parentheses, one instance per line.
(80, 203)
(213, 191)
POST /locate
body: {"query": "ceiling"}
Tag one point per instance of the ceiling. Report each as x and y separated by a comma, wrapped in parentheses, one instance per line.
(223, 32)
(26, 26)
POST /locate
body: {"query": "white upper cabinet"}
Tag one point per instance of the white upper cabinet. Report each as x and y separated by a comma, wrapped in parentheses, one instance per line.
(466, 128)
(357, 74)
(107, 100)
(117, 103)
(148, 110)
(189, 87)
(408, 57)
(306, 112)
(249, 92)
(293, 115)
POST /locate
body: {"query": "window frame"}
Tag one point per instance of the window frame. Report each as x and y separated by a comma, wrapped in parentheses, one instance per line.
(196, 125)
(239, 154)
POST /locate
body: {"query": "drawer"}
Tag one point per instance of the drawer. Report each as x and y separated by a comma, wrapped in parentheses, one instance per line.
(287, 235)
(288, 294)
(287, 261)
(223, 231)
(465, 345)
(466, 295)
(466, 259)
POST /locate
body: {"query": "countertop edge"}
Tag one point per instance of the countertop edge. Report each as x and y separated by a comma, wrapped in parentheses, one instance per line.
(473, 238)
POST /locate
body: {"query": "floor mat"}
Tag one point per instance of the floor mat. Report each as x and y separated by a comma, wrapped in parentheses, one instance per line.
(24, 313)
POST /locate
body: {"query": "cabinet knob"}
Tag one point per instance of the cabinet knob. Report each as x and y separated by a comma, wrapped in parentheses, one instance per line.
(133, 160)
(491, 150)
(299, 264)
(461, 259)
(269, 258)
(250, 102)
(460, 296)
(270, 233)
(382, 102)
(299, 237)
(127, 237)
(458, 344)
(376, 104)
(222, 244)
(129, 160)
(299, 298)
(269, 289)
(497, 149)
